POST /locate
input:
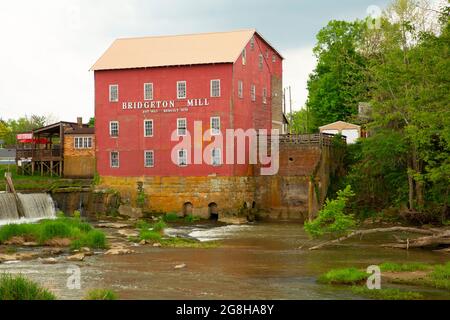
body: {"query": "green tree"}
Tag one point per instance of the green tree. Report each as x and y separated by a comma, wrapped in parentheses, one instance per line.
(339, 81)
(301, 122)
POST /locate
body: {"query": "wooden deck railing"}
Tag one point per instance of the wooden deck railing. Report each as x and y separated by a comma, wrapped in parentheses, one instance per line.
(321, 139)
(39, 154)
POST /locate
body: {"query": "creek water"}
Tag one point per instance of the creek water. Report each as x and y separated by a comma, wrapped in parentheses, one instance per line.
(257, 261)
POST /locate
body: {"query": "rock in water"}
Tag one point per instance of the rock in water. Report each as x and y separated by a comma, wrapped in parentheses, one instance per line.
(76, 257)
(119, 251)
(180, 266)
(49, 261)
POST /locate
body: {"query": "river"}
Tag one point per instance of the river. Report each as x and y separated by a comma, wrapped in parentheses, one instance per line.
(259, 261)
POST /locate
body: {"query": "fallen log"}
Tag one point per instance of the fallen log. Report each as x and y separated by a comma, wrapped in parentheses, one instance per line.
(361, 233)
(430, 241)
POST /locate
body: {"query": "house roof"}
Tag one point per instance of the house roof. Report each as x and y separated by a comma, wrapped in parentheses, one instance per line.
(340, 125)
(78, 130)
(162, 51)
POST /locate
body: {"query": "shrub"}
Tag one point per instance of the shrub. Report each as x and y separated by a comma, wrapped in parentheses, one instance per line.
(170, 217)
(93, 239)
(101, 294)
(141, 224)
(20, 288)
(149, 235)
(191, 218)
(159, 226)
(332, 219)
(349, 276)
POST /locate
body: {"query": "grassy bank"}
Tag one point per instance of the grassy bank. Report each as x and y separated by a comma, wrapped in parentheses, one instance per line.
(20, 288)
(79, 233)
(416, 274)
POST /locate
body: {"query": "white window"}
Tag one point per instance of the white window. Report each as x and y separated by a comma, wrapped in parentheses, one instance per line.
(244, 57)
(83, 142)
(216, 157)
(253, 92)
(114, 128)
(252, 43)
(149, 159)
(215, 126)
(215, 88)
(181, 127)
(114, 159)
(148, 128)
(274, 58)
(182, 158)
(181, 90)
(113, 93)
(264, 95)
(261, 61)
(240, 89)
(148, 91)
(267, 54)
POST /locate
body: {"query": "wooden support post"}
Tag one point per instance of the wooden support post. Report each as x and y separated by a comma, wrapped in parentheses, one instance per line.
(51, 168)
(311, 200)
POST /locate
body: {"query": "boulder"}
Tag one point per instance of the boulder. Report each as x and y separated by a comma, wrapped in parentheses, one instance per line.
(49, 261)
(128, 233)
(119, 251)
(76, 257)
(58, 242)
(113, 225)
(128, 211)
(15, 241)
(157, 245)
(180, 266)
(143, 242)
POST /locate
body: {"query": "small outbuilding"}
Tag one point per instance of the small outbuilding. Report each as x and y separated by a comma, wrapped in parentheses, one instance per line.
(351, 131)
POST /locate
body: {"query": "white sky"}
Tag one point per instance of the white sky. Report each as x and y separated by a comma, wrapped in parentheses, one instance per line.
(48, 46)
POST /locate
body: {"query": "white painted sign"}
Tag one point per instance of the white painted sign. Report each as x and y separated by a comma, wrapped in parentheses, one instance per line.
(165, 105)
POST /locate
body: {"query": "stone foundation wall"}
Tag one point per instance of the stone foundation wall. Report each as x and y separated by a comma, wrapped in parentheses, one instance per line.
(170, 194)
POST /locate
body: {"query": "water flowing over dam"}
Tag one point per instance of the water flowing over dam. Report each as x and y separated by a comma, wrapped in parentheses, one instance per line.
(34, 206)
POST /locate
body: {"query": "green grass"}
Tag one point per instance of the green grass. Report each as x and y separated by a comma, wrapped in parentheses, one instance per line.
(149, 235)
(101, 294)
(349, 276)
(188, 243)
(159, 226)
(170, 217)
(82, 234)
(387, 294)
(20, 288)
(191, 218)
(406, 267)
(21, 182)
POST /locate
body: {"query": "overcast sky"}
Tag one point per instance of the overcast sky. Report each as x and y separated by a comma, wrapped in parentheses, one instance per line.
(48, 46)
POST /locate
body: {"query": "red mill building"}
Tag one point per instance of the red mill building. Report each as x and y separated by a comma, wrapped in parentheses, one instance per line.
(148, 89)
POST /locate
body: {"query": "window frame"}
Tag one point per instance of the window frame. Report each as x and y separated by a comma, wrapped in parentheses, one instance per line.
(264, 95)
(215, 133)
(212, 87)
(111, 160)
(178, 127)
(110, 93)
(219, 157)
(244, 56)
(145, 128)
(252, 43)
(152, 152)
(241, 89)
(110, 129)
(178, 90)
(261, 62)
(185, 158)
(253, 92)
(145, 91)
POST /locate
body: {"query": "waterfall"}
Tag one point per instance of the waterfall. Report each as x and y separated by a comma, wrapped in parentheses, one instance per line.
(37, 205)
(8, 207)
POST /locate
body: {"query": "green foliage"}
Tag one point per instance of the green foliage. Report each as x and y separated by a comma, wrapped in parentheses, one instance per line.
(141, 199)
(101, 294)
(349, 276)
(339, 81)
(191, 218)
(91, 122)
(150, 235)
(441, 276)
(332, 219)
(188, 243)
(20, 288)
(405, 267)
(301, 122)
(387, 294)
(142, 224)
(159, 226)
(9, 129)
(170, 217)
(82, 234)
